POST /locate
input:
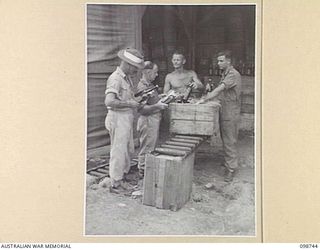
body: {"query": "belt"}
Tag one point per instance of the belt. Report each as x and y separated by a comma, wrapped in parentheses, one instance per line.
(125, 110)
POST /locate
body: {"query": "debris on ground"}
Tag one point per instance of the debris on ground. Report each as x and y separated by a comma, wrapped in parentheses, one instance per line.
(215, 207)
(197, 197)
(122, 205)
(137, 194)
(105, 183)
(90, 180)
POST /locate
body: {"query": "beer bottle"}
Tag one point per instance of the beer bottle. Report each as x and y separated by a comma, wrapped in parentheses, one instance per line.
(210, 84)
(243, 69)
(210, 70)
(168, 99)
(216, 71)
(249, 70)
(187, 94)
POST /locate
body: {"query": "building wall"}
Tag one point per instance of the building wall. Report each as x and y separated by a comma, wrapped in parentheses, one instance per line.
(109, 29)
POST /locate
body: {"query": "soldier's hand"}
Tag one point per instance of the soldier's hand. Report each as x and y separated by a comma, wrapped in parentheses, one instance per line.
(200, 101)
(133, 103)
(193, 85)
(148, 94)
(208, 88)
(216, 104)
(161, 105)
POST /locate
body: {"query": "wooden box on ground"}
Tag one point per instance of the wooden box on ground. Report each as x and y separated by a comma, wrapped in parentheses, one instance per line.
(193, 119)
(168, 180)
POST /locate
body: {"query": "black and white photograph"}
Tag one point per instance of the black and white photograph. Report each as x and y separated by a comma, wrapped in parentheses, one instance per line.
(160, 122)
(171, 101)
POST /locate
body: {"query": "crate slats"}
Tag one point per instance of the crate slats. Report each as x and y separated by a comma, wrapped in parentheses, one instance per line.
(193, 119)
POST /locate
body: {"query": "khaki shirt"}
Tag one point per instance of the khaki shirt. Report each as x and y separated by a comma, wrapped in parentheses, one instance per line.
(121, 85)
(230, 96)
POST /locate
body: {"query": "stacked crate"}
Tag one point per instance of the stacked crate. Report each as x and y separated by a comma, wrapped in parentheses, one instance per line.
(169, 168)
(193, 119)
(169, 173)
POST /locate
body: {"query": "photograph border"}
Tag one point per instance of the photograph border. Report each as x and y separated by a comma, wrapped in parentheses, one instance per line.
(257, 121)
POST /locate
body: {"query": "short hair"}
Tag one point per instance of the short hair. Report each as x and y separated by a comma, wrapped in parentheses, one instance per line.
(226, 53)
(149, 65)
(178, 52)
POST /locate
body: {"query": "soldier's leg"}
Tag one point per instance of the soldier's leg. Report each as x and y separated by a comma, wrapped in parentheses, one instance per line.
(142, 128)
(229, 135)
(120, 135)
(149, 130)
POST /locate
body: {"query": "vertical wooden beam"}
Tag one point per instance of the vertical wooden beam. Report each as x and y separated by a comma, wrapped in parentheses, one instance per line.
(193, 37)
(138, 10)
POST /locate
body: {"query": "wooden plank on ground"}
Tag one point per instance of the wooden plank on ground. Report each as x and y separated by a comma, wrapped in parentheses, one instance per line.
(184, 140)
(187, 149)
(96, 174)
(189, 137)
(170, 151)
(190, 145)
(102, 170)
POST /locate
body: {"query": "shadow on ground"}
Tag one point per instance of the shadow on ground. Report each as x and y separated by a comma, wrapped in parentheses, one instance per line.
(224, 209)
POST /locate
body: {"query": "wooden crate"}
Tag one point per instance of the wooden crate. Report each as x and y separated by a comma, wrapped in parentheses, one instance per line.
(193, 119)
(168, 181)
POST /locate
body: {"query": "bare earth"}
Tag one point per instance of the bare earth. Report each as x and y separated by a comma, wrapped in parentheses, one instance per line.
(224, 209)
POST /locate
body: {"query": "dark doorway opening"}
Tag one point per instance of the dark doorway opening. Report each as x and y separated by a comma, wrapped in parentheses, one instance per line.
(200, 32)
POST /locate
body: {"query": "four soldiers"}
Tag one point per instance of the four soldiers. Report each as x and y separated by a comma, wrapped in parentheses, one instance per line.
(121, 105)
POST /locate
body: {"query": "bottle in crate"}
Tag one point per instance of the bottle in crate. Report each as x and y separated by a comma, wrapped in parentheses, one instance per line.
(210, 70)
(187, 93)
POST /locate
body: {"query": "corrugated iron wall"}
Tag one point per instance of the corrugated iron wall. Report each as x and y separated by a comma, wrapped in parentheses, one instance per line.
(109, 29)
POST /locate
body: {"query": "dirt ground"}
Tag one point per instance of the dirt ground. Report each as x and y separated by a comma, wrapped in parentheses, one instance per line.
(224, 209)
